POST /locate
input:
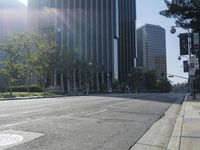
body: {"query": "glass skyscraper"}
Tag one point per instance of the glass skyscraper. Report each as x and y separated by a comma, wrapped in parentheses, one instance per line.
(103, 32)
(151, 48)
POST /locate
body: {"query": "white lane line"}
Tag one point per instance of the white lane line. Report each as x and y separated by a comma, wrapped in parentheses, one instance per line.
(24, 112)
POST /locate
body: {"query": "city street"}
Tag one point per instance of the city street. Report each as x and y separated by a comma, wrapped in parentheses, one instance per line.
(106, 122)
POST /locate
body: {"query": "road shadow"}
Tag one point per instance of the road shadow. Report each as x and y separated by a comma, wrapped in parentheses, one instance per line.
(157, 97)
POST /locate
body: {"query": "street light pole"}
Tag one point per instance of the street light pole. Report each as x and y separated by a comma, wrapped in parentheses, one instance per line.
(189, 83)
(173, 30)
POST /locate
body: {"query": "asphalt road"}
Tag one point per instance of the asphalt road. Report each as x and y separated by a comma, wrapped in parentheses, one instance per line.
(86, 122)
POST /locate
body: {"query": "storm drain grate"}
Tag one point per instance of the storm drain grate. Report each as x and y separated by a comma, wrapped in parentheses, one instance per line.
(9, 139)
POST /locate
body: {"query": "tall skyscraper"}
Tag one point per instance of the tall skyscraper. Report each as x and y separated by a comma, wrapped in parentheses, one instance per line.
(151, 48)
(103, 31)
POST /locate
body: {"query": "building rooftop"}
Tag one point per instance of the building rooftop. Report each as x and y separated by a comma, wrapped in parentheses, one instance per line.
(150, 25)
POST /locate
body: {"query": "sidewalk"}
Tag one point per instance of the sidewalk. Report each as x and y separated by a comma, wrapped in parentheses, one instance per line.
(186, 134)
(158, 136)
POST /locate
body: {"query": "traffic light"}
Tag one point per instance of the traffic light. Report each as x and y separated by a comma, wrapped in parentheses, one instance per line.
(183, 43)
(185, 66)
(195, 40)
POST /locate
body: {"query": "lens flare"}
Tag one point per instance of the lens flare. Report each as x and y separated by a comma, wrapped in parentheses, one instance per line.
(24, 2)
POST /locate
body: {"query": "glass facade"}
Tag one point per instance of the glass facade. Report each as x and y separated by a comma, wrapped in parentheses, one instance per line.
(151, 48)
(103, 31)
(127, 52)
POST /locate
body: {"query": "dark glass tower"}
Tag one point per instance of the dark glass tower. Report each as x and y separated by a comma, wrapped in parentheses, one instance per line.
(103, 31)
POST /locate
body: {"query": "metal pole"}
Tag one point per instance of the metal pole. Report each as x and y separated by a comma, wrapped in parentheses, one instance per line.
(189, 53)
(191, 78)
(173, 30)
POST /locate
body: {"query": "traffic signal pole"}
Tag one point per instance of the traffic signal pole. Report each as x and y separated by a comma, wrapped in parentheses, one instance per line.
(190, 76)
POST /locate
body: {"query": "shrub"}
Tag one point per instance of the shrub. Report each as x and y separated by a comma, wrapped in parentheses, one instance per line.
(32, 88)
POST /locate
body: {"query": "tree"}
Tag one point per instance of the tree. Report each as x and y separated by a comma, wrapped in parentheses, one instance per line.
(150, 79)
(56, 59)
(136, 77)
(44, 57)
(186, 13)
(27, 43)
(180, 87)
(163, 85)
(12, 66)
(87, 70)
(69, 65)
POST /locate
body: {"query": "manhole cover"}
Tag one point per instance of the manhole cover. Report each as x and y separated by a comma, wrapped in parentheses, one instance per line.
(9, 139)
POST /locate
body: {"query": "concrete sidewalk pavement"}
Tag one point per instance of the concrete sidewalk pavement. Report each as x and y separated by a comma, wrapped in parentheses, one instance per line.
(158, 136)
(186, 134)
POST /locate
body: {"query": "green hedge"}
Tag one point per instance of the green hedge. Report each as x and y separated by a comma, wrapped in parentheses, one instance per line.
(32, 88)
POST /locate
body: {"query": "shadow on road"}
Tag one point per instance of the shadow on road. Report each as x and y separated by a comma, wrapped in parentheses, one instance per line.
(157, 97)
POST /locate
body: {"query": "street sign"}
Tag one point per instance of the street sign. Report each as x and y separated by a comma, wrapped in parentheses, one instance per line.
(195, 43)
(183, 43)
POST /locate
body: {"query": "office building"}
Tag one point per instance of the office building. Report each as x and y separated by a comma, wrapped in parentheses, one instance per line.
(151, 48)
(103, 31)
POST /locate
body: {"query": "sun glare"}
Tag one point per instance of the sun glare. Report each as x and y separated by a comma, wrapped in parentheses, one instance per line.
(24, 2)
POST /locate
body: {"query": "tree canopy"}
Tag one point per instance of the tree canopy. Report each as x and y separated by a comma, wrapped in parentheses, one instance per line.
(12, 66)
(185, 12)
(148, 81)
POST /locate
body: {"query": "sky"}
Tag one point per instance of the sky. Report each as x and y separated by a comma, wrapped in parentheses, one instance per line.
(148, 12)
(24, 1)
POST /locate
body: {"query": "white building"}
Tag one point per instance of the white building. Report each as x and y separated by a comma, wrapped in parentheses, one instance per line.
(151, 48)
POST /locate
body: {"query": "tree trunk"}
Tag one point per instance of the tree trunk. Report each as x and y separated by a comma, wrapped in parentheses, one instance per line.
(52, 76)
(68, 85)
(10, 86)
(44, 82)
(29, 81)
(62, 83)
(87, 87)
(74, 82)
(97, 80)
(55, 77)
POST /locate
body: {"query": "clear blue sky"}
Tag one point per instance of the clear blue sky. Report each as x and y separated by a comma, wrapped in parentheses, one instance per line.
(148, 12)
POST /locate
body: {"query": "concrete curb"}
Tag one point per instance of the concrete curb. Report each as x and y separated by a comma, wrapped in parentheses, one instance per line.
(158, 136)
(32, 97)
(175, 140)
